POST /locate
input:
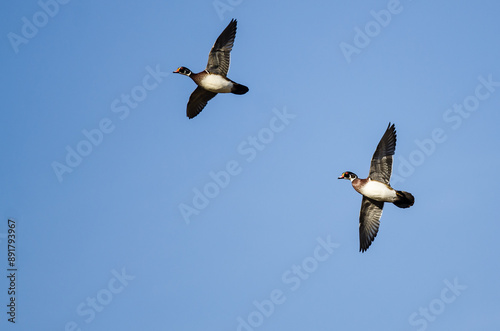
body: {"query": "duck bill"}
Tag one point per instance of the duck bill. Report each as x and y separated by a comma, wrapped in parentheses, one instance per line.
(176, 72)
(341, 177)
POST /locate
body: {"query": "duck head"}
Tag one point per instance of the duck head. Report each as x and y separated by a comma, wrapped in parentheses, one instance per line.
(348, 175)
(183, 71)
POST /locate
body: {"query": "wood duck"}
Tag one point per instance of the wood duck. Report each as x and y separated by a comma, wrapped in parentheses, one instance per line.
(376, 189)
(213, 79)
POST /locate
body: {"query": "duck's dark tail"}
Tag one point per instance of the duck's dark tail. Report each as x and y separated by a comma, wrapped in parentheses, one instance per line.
(239, 89)
(404, 199)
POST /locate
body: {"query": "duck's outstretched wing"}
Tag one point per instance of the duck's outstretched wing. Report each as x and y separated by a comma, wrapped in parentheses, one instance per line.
(219, 56)
(198, 100)
(381, 165)
(369, 221)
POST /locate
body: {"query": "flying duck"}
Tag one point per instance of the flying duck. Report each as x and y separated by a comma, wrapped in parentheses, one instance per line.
(376, 189)
(213, 79)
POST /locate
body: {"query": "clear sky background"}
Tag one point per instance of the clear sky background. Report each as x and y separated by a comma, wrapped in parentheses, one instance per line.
(273, 244)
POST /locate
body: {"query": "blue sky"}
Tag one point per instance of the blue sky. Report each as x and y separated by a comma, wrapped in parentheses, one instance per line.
(105, 242)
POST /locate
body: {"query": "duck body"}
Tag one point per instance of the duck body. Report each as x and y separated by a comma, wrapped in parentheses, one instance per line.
(213, 82)
(217, 83)
(374, 190)
(381, 192)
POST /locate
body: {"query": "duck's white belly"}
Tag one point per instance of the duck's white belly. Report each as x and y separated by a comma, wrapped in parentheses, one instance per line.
(217, 84)
(378, 191)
